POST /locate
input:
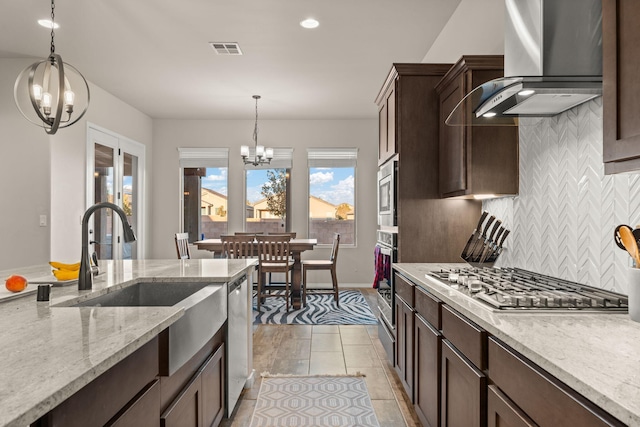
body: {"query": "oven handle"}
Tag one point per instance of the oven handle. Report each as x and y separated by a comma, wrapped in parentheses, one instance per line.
(385, 250)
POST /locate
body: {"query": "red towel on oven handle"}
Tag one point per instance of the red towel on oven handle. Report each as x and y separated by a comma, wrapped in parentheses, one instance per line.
(378, 261)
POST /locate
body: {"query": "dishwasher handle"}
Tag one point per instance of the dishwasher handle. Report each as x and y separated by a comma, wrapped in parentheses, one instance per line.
(237, 283)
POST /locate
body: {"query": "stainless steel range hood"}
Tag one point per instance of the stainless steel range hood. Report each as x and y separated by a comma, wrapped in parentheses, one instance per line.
(552, 62)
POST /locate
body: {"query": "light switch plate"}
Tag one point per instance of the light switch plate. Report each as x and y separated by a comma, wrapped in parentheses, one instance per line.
(43, 220)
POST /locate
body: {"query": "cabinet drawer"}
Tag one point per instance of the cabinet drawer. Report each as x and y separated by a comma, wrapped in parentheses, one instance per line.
(545, 399)
(502, 411)
(404, 288)
(428, 307)
(105, 396)
(466, 336)
(144, 410)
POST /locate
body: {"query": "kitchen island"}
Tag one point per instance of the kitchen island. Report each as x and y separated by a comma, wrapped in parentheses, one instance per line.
(595, 354)
(49, 352)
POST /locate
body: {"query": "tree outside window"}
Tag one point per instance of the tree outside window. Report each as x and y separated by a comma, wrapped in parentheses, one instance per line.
(332, 183)
(267, 201)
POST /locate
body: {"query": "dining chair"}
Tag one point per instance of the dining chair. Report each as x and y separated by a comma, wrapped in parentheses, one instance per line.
(247, 233)
(291, 234)
(273, 257)
(330, 265)
(237, 246)
(182, 245)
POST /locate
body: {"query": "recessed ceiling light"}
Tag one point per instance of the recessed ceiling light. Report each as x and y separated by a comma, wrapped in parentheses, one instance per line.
(47, 23)
(309, 23)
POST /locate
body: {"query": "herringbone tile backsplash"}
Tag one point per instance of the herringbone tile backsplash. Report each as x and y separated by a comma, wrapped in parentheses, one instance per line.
(563, 219)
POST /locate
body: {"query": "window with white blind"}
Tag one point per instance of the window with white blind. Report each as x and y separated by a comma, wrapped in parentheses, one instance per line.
(332, 183)
(204, 191)
(268, 198)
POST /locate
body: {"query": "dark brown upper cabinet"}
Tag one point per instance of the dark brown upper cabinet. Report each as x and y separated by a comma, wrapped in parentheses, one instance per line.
(621, 87)
(474, 160)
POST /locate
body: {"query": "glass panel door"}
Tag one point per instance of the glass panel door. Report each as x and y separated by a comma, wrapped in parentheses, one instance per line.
(116, 166)
(101, 234)
(130, 201)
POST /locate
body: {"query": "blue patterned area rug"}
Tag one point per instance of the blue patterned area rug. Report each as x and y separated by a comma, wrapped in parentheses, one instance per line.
(320, 310)
(314, 401)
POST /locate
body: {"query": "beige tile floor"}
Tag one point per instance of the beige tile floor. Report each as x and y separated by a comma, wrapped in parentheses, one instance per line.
(343, 349)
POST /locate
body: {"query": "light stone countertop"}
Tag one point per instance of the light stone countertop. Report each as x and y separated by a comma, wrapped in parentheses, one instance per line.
(596, 354)
(48, 353)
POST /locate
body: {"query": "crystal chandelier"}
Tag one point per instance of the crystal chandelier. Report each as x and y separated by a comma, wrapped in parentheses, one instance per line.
(261, 155)
(48, 92)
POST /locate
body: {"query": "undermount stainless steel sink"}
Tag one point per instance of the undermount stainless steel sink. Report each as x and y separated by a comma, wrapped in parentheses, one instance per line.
(205, 312)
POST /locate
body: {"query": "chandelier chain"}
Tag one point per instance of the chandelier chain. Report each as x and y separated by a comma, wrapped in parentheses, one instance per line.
(255, 129)
(53, 16)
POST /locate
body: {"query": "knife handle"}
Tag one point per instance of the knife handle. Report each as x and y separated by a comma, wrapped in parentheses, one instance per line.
(494, 229)
(487, 225)
(495, 242)
(504, 236)
(482, 217)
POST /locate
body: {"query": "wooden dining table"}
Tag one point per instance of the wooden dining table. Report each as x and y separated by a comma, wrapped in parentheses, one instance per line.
(296, 246)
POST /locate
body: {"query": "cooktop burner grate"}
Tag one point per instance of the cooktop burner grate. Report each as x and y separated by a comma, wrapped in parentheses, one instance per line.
(517, 289)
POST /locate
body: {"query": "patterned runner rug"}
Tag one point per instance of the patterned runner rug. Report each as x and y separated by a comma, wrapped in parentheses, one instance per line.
(320, 310)
(314, 401)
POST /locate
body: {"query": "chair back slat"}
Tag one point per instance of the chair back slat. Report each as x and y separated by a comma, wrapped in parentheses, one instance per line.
(273, 249)
(334, 248)
(182, 245)
(238, 246)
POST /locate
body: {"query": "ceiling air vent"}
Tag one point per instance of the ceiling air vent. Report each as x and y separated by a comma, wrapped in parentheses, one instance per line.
(224, 48)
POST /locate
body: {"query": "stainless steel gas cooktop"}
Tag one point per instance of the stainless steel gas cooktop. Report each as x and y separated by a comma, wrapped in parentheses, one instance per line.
(516, 289)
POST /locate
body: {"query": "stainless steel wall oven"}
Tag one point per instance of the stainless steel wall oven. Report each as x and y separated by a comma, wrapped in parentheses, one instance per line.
(386, 253)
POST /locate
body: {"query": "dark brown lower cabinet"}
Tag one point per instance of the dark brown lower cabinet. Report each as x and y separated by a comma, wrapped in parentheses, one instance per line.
(426, 384)
(143, 411)
(404, 345)
(132, 394)
(213, 397)
(186, 410)
(463, 390)
(103, 399)
(201, 402)
(545, 399)
(502, 412)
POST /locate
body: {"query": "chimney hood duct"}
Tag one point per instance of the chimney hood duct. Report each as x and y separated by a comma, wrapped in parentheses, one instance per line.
(552, 62)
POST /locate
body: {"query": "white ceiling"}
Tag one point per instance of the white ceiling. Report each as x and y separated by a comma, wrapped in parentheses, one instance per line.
(154, 54)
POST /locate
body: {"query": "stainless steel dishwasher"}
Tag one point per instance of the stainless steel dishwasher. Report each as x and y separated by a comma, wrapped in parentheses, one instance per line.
(237, 340)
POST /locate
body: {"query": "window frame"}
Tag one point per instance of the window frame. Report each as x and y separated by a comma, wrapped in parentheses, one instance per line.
(338, 157)
(282, 159)
(203, 157)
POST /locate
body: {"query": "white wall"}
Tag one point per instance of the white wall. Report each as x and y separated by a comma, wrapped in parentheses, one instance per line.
(475, 28)
(45, 175)
(68, 167)
(24, 179)
(355, 264)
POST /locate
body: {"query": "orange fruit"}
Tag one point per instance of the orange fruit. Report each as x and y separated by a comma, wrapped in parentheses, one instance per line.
(16, 283)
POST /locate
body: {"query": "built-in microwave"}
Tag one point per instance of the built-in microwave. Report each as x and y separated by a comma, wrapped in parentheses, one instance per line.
(387, 193)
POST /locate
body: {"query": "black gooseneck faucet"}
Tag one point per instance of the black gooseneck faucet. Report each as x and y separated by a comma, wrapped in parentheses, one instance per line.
(85, 278)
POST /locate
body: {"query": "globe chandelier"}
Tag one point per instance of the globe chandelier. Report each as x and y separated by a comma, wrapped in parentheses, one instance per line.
(261, 155)
(50, 93)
